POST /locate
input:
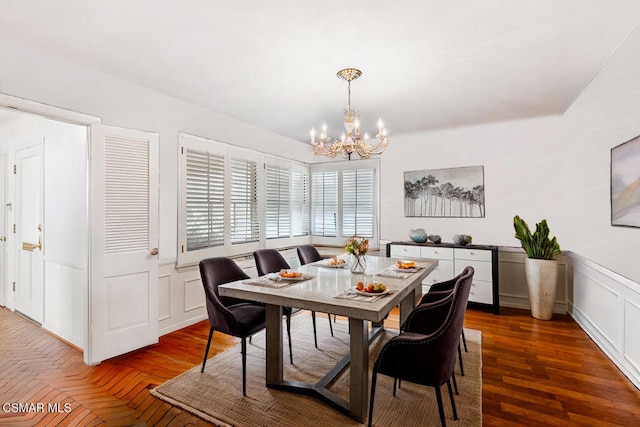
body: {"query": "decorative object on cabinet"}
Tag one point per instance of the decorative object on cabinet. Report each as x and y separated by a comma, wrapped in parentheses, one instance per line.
(625, 184)
(418, 235)
(452, 192)
(452, 259)
(435, 238)
(540, 267)
(462, 239)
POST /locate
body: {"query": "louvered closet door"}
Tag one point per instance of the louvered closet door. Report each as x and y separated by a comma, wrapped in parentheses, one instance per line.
(124, 236)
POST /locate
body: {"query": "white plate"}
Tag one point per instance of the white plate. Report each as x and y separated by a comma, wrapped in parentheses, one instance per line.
(324, 264)
(294, 279)
(372, 294)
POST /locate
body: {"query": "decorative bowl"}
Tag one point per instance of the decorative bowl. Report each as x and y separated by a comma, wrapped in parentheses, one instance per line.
(435, 238)
(418, 235)
(461, 239)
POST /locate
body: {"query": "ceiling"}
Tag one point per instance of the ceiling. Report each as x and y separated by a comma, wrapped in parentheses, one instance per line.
(427, 64)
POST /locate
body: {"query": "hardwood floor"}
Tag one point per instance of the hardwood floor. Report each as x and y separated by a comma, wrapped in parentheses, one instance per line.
(535, 373)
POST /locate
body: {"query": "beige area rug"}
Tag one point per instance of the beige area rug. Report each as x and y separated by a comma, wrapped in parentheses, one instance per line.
(216, 394)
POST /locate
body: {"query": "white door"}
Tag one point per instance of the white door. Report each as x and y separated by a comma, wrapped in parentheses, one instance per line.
(29, 272)
(3, 230)
(123, 288)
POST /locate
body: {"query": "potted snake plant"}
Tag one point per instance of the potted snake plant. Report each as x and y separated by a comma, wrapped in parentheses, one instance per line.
(541, 267)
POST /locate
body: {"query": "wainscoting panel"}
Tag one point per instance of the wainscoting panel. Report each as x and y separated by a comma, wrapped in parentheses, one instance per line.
(631, 336)
(513, 282)
(193, 294)
(607, 306)
(164, 297)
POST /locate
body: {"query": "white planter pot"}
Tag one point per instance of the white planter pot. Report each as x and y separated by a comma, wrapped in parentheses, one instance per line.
(542, 281)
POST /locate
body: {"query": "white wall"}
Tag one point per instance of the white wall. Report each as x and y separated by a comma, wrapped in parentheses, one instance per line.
(553, 167)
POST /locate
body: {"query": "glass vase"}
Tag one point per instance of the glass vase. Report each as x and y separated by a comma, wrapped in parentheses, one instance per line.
(357, 263)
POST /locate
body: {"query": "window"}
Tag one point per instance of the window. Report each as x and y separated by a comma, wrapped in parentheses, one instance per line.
(245, 224)
(300, 202)
(204, 199)
(277, 201)
(357, 203)
(235, 200)
(325, 203)
(345, 201)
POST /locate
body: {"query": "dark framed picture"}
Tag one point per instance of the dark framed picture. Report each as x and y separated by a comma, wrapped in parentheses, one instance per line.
(625, 184)
(450, 193)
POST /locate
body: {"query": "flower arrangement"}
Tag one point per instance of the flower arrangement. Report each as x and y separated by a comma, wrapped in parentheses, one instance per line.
(357, 246)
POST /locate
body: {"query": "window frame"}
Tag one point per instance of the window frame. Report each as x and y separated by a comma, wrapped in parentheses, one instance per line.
(340, 240)
(187, 258)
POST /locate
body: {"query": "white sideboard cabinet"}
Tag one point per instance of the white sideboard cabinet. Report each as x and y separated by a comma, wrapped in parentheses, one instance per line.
(452, 259)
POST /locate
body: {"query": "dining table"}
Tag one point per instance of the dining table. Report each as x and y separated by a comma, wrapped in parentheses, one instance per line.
(331, 288)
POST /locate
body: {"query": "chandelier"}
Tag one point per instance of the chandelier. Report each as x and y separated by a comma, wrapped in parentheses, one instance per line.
(353, 141)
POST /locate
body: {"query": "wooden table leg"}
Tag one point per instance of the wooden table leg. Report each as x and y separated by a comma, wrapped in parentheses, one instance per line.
(359, 369)
(274, 344)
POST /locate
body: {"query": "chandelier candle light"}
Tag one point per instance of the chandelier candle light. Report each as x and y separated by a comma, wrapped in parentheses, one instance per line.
(353, 141)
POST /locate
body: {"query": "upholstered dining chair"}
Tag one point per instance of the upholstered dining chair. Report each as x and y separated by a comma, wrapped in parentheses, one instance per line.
(228, 315)
(271, 261)
(427, 355)
(308, 254)
(438, 291)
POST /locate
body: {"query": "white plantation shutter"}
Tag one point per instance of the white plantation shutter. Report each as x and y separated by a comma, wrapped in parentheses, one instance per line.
(126, 194)
(325, 203)
(277, 202)
(299, 202)
(204, 199)
(245, 225)
(358, 202)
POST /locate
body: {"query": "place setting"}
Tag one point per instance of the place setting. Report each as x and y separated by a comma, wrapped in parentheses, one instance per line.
(402, 269)
(333, 262)
(280, 279)
(367, 291)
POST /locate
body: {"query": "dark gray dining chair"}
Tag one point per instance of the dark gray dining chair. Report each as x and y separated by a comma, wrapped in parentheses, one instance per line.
(228, 315)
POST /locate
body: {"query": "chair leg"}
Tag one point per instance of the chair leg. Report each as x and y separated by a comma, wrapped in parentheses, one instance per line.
(315, 336)
(206, 352)
(289, 335)
(440, 407)
(453, 402)
(330, 326)
(395, 384)
(373, 393)
(464, 341)
(455, 383)
(460, 358)
(244, 366)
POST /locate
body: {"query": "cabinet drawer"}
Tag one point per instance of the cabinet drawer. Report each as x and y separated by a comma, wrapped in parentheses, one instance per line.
(444, 271)
(436, 253)
(482, 269)
(473, 254)
(402, 251)
(481, 291)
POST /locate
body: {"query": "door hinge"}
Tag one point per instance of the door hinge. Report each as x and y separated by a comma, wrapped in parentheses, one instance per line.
(15, 169)
(181, 150)
(182, 248)
(14, 229)
(14, 286)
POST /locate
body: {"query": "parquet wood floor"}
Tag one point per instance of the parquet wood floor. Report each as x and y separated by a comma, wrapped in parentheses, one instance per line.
(535, 373)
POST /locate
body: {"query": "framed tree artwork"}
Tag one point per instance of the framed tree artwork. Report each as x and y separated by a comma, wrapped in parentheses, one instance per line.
(450, 193)
(625, 184)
